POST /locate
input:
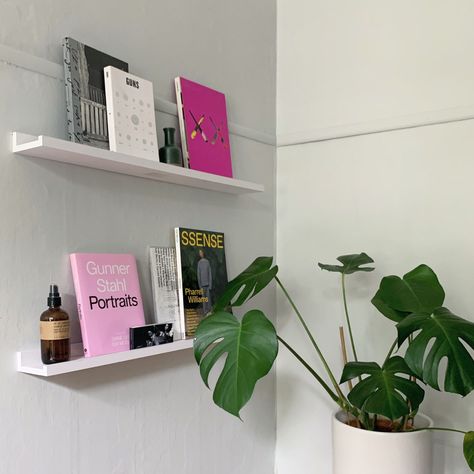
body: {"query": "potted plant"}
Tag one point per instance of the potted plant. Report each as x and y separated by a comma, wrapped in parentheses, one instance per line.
(379, 416)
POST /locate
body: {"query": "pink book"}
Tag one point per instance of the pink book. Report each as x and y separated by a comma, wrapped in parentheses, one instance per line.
(108, 300)
(203, 124)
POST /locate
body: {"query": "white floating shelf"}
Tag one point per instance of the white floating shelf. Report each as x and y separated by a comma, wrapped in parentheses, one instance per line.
(29, 362)
(55, 149)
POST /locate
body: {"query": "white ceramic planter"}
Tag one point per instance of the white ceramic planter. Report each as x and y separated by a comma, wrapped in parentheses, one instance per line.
(357, 451)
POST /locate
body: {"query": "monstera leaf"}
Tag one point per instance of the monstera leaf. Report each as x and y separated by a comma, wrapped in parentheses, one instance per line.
(251, 347)
(468, 448)
(448, 332)
(246, 285)
(381, 392)
(418, 291)
(350, 264)
(386, 310)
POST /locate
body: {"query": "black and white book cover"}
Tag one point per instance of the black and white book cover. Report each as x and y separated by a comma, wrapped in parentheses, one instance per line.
(85, 92)
(164, 283)
(150, 335)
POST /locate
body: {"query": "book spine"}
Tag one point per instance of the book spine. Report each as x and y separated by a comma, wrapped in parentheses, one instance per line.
(182, 122)
(80, 312)
(109, 100)
(73, 92)
(152, 252)
(182, 318)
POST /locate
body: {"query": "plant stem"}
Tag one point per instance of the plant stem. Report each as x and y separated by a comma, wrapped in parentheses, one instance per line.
(365, 419)
(412, 379)
(404, 423)
(347, 317)
(311, 371)
(392, 348)
(341, 401)
(344, 352)
(308, 332)
(452, 430)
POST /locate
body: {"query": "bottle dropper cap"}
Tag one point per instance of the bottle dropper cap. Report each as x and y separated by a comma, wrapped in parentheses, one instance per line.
(54, 298)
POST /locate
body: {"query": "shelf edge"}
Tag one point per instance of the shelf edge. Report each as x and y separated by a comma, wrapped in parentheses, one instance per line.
(63, 151)
(85, 363)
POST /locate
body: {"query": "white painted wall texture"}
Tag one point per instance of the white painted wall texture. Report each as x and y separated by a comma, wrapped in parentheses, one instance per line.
(152, 415)
(343, 63)
(402, 196)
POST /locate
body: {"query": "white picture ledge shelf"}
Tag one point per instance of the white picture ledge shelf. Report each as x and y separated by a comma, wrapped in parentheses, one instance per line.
(55, 149)
(29, 362)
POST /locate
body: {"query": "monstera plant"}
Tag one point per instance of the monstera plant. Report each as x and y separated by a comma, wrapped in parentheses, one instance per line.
(383, 396)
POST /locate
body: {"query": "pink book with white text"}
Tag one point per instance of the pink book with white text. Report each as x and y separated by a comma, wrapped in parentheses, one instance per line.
(109, 301)
(203, 124)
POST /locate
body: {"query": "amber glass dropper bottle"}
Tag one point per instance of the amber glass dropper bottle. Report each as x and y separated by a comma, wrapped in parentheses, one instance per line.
(54, 329)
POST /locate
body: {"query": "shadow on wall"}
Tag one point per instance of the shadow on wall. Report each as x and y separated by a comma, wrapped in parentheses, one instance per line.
(290, 385)
(151, 367)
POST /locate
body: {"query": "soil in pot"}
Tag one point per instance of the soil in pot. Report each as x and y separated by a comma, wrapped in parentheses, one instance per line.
(383, 425)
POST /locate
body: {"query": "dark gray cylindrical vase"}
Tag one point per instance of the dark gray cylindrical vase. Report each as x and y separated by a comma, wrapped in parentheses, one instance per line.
(170, 153)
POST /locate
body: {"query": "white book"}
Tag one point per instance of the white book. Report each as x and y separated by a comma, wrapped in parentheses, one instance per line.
(130, 114)
(182, 126)
(165, 287)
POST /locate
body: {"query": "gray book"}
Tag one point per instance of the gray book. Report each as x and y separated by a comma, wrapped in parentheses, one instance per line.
(85, 92)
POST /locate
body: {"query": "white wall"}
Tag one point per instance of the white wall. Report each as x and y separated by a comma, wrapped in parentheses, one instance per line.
(369, 63)
(402, 196)
(152, 415)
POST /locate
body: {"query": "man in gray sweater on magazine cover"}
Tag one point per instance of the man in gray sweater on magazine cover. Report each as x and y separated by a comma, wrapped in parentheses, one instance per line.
(204, 276)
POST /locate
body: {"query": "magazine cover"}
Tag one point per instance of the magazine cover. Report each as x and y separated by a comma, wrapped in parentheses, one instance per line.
(165, 286)
(109, 301)
(130, 114)
(202, 273)
(202, 116)
(85, 92)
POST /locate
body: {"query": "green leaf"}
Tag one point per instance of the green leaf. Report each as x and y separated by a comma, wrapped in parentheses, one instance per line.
(386, 310)
(350, 264)
(383, 392)
(246, 285)
(468, 448)
(418, 291)
(447, 331)
(251, 347)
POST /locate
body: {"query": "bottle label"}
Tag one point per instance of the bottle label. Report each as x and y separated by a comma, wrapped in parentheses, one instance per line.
(54, 330)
